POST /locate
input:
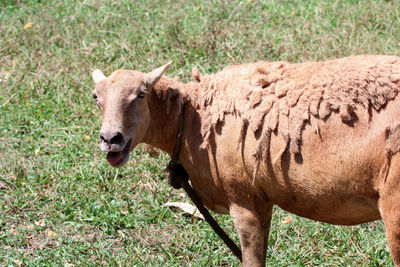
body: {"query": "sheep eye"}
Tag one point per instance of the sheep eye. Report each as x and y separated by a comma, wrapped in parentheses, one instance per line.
(94, 96)
(141, 95)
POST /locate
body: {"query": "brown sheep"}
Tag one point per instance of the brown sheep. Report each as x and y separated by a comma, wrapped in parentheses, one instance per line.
(318, 139)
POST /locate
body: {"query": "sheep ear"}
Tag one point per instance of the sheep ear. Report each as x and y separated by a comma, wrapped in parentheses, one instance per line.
(154, 76)
(98, 76)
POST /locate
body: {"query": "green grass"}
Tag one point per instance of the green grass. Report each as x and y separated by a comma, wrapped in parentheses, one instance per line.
(60, 202)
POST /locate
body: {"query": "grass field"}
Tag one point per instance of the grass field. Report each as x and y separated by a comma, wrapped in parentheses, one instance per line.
(60, 202)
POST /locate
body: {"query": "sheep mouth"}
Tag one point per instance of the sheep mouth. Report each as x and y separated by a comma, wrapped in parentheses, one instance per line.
(119, 158)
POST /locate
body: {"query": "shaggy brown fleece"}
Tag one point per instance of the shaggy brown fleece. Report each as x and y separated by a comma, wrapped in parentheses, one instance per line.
(284, 97)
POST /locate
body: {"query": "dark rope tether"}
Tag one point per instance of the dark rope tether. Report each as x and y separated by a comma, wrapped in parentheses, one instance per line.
(179, 178)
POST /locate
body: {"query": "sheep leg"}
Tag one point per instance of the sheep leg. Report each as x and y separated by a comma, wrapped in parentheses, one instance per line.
(390, 211)
(253, 233)
(266, 228)
(389, 206)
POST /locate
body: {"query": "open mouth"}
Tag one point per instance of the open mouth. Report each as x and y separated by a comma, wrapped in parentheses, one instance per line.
(118, 158)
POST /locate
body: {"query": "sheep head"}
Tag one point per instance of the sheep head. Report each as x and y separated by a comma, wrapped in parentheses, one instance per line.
(123, 100)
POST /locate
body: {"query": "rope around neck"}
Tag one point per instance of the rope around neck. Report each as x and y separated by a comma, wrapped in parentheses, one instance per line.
(179, 178)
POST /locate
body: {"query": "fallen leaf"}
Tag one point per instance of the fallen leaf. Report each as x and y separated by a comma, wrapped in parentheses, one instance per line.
(37, 151)
(51, 233)
(87, 137)
(121, 233)
(28, 25)
(5, 75)
(186, 207)
(40, 223)
(287, 220)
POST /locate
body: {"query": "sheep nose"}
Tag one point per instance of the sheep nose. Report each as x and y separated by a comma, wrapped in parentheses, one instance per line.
(116, 138)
